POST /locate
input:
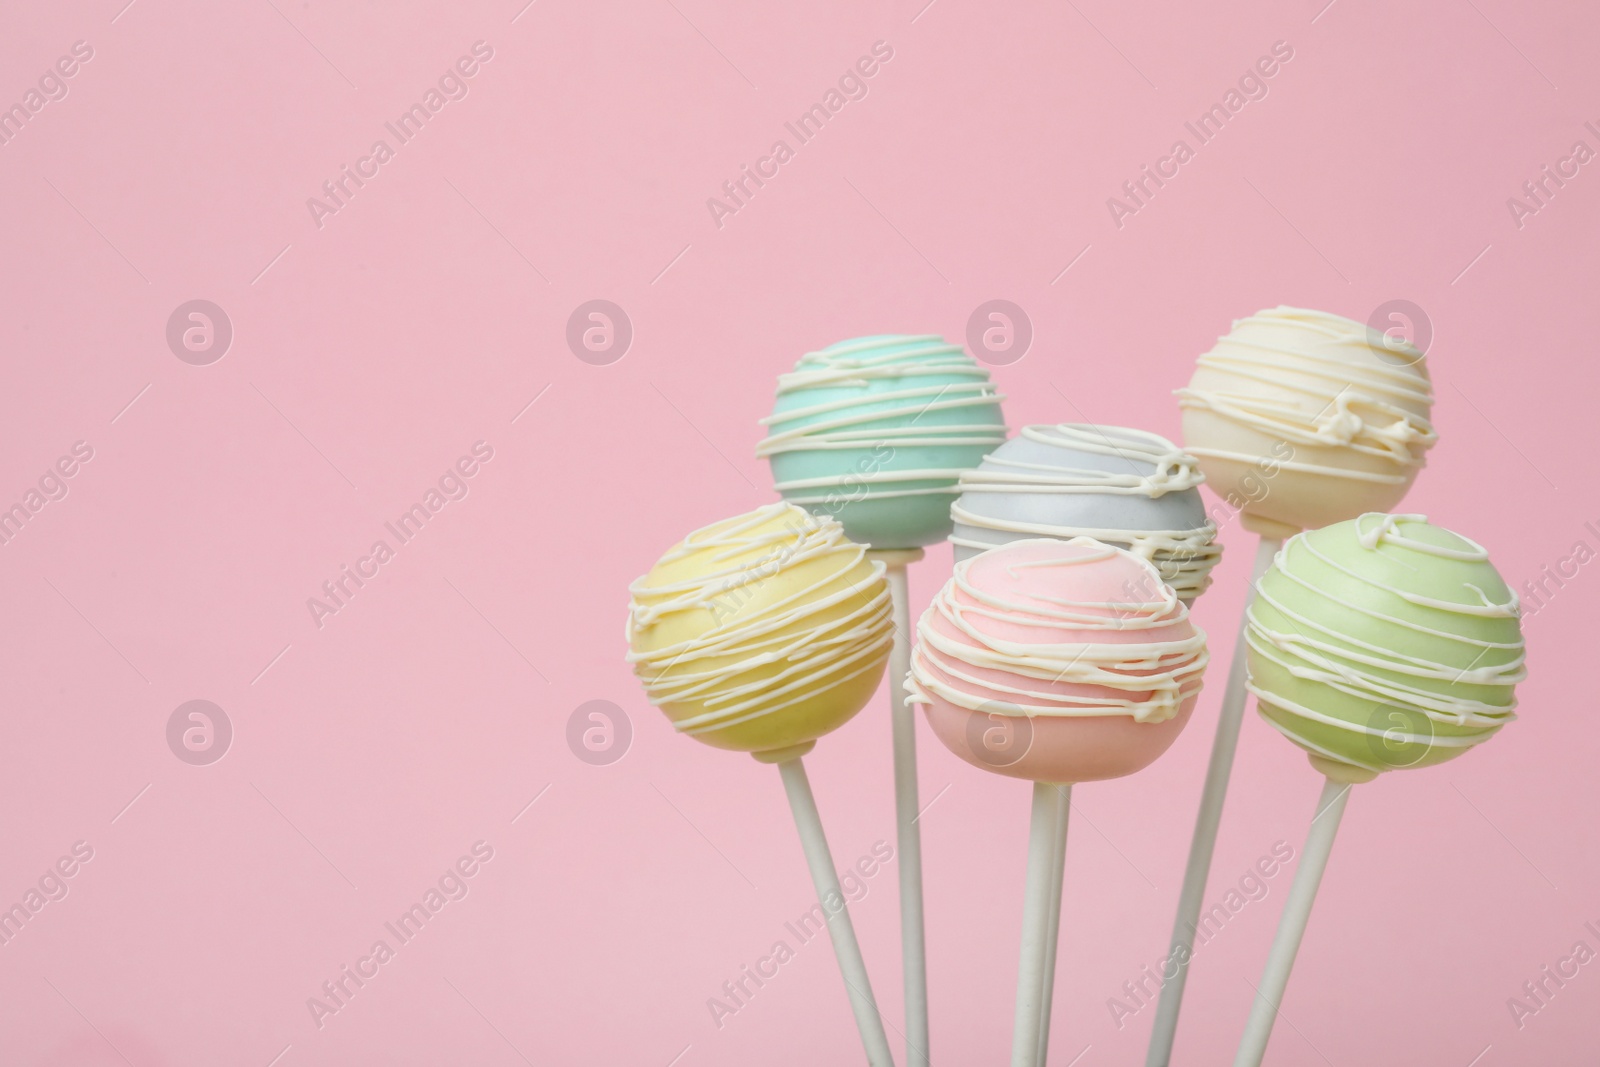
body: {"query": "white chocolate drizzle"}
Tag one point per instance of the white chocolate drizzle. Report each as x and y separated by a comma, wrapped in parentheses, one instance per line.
(815, 653)
(1347, 403)
(1313, 652)
(843, 424)
(1147, 681)
(1183, 558)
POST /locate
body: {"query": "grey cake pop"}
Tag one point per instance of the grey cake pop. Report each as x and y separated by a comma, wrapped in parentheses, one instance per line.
(1125, 487)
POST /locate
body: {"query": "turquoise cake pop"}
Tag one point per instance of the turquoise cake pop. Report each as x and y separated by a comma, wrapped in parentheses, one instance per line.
(876, 432)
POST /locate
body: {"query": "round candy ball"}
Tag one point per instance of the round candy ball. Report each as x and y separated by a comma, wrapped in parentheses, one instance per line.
(1384, 642)
(1301, 418)
(875, 432)
(1045, 660)
(1130, 488)
(761, 632)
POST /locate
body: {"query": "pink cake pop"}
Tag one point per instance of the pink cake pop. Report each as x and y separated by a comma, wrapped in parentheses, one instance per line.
(1059, 662)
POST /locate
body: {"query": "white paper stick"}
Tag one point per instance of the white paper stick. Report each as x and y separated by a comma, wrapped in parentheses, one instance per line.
(1292, 925)
(1057, 870)
(903, 724)
(1206, 822)
(840, 930)
(1035, 927)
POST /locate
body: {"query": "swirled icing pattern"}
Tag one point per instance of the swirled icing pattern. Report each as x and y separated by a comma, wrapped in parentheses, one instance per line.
(875, 432)
(1384, 642)
(1125, 487)
(1049, 628)
(1308, 418)
(762, 631)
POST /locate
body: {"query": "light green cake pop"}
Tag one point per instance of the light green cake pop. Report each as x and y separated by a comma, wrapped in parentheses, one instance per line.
(1384, 642)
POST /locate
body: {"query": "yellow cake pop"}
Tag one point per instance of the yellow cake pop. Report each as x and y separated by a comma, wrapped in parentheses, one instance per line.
(761, 632)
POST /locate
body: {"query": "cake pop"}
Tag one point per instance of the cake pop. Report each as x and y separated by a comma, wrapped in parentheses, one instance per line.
(875, 431)
(1386, 612)
(1375, 644)
(1125, 487)
(1033, 662)
(1308, 418)
(760, 634)
(1298, 419)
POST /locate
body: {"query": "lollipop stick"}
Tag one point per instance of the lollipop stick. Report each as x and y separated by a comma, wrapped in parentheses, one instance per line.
(1292, 924)
(829, 895)
(1057, 866)
(902, 718)
(1032, 978)
(1205, 831)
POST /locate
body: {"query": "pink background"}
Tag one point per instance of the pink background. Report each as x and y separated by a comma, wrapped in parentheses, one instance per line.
(425, 315)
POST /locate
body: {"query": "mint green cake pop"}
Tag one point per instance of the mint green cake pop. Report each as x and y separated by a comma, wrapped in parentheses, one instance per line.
(1384, 642)
(876, 431)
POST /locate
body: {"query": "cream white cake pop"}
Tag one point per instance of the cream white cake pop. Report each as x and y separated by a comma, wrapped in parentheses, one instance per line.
(1299, 419)
(1304, 418)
